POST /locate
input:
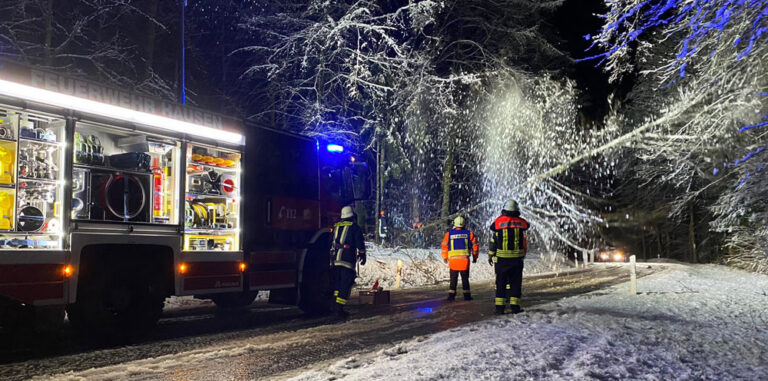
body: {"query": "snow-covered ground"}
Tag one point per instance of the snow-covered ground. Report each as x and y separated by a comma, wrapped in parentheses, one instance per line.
(425, 267)
(688, 322)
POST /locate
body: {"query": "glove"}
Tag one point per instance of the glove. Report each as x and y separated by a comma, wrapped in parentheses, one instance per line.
(445, 260)
(474, 260)
(362, 258)
(490, 260)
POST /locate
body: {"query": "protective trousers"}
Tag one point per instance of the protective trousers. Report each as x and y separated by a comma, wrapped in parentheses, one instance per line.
(509, 281)
(455, 280)
(343, 279)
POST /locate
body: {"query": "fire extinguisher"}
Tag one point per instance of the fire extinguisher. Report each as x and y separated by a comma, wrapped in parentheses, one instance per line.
(158, 200)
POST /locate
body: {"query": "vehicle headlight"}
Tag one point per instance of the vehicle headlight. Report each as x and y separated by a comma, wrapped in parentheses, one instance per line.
(618, 257)
(604, 256)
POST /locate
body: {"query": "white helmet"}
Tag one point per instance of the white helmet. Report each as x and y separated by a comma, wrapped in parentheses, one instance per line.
(512, 206)
(459, 222)
(347, 212)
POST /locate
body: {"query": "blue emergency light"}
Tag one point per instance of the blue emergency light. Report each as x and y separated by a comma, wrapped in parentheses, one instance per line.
(334, 148)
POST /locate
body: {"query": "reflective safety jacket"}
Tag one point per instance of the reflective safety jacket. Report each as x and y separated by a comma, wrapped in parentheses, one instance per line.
(347, 242)
(508, 237)
(456, 248)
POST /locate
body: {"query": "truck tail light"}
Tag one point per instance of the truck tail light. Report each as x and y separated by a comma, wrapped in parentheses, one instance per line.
(242, 267)
(67, 271)
(183, 268)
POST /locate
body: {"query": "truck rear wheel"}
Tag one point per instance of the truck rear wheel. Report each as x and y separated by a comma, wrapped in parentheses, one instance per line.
(117, 305)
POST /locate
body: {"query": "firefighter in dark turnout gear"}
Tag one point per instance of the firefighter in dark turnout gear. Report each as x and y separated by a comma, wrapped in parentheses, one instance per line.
(457, 246)
(507, 250)
(347, 248)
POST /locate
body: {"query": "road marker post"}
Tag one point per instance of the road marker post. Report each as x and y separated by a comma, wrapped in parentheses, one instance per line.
(399, 276)
(632, 275)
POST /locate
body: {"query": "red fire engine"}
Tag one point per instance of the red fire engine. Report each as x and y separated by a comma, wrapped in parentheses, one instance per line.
(112, 201)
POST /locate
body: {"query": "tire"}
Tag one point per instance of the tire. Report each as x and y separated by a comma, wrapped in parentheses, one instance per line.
(234, 301)
(117, 306)
(48, 320)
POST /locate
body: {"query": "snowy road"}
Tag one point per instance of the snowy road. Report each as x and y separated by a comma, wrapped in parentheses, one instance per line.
(268, 341)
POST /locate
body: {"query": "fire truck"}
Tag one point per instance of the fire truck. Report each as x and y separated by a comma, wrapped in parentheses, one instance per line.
(111, 201)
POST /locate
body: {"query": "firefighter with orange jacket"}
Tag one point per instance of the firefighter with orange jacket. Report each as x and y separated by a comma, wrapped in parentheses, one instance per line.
(457, 246)
(507, 250)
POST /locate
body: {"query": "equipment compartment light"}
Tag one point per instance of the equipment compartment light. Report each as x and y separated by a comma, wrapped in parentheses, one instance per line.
(242, 266)
(335, 148)
(67, 271)
(79, 104)
(183, 268)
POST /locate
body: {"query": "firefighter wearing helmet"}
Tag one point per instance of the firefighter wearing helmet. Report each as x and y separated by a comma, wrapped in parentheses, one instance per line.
(507, 250)
(347, 248)
(457, 245)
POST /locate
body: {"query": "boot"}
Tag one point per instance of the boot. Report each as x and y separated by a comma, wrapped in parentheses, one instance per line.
(340, 313)
(451, 297)
(516, 309)
(499, 310)
(468, 296)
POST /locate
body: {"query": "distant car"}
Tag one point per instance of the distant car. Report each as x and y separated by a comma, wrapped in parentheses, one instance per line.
(612, 255)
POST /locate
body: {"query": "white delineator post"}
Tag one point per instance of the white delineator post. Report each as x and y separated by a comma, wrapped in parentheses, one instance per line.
(399, 275)
(632, 276)
(585, 258)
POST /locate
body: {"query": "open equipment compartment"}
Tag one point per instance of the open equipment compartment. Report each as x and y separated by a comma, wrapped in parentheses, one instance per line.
(31, 179)
(212, 202)
(122, 175)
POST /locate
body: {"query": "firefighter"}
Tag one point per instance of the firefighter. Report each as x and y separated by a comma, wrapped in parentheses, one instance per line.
(507, 250)
(456, 247)
(347, 248)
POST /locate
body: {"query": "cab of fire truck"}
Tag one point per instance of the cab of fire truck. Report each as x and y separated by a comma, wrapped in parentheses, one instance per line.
(293, 192)
(111, 201)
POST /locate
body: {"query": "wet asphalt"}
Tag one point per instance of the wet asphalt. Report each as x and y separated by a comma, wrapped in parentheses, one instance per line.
(265, 341)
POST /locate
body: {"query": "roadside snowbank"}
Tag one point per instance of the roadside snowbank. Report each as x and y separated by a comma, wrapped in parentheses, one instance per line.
(425, 267)
(689, 322)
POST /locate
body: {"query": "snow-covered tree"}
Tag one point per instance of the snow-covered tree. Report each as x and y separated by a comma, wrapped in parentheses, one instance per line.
(700, 65)
(111, 41)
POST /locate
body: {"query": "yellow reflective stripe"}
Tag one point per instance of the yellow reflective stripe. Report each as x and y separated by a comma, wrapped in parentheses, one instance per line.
(449, 238)
(500, 301)
(505, 241)
(458, 253)
(340, 300)
(493, 242)
(344, 264)
(467, 291)
(336, 293)
(342, 240)
(451, 291)
(517, 239)
(507, 287)
(507, 254)
(514, 301)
